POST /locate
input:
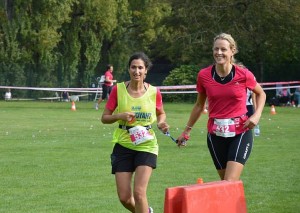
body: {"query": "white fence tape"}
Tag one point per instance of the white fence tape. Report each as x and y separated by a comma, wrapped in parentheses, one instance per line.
(181, 89)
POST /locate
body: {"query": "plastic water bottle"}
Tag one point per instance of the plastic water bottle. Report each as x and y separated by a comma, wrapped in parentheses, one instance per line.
(256, 130)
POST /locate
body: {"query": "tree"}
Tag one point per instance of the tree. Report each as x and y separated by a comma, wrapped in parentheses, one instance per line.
(38, 24)
(263, 30)
(65, 43)
(11, 56)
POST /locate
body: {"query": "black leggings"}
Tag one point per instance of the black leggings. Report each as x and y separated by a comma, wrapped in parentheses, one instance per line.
(105, 91)
(237, 148)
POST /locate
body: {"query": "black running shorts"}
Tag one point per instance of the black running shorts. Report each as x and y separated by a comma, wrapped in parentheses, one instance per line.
(237, 148)
(126, 160)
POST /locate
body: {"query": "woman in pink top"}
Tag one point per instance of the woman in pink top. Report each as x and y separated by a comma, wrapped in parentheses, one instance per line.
(224, 85)
(107, 85)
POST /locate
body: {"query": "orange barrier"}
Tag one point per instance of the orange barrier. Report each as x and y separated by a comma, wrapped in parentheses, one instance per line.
(211, 197)
(173, 200)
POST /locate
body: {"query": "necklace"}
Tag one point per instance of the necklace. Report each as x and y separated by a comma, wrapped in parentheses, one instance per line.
(223, 79)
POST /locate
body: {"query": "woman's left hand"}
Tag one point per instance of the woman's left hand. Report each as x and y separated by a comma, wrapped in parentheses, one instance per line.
(251, 122)
(163, 126)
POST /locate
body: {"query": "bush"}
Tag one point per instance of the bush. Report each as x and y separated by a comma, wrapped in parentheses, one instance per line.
(183, 75)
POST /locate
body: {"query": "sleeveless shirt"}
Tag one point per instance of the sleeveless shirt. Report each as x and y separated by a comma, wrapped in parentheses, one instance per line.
(144, 108)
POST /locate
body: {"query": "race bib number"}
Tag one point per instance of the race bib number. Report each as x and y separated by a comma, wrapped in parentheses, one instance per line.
(224, 127)
(139, 134)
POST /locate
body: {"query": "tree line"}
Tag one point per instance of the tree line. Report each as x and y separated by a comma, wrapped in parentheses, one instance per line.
(55, 43)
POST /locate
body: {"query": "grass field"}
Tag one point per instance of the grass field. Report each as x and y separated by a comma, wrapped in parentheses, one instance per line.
(53, 159)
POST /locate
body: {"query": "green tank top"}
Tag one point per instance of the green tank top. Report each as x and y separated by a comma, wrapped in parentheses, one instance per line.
(144, 108)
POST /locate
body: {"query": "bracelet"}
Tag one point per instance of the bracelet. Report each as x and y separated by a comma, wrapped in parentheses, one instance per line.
(185, 136)
(189, 127)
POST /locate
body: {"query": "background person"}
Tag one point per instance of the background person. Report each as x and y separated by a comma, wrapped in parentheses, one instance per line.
(65, 96)
(107, 85)
(284, 96)
(135, 105)
(250, 103)
(7, 95)
(297, 96)
(251, 106)
(223, 84)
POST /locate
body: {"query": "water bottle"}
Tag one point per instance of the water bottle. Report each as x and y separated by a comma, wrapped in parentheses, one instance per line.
(256, 130)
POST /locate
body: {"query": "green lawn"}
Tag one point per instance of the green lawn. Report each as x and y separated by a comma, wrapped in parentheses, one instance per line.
(53, 159)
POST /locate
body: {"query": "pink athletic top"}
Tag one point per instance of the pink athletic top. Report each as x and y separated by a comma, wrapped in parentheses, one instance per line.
(112, 102)
(226, 100)
(110, 76)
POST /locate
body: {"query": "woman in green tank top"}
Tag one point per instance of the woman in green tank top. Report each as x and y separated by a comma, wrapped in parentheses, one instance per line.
(135, 105)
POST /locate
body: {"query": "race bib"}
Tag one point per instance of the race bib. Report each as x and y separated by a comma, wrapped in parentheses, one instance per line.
(139, 134)
(224, 127)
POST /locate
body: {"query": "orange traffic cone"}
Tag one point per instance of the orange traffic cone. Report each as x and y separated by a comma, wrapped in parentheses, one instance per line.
(272, 112)
(200, 181)
(73, 108)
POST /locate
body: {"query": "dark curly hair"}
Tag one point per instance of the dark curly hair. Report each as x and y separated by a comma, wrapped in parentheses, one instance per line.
(143, 57)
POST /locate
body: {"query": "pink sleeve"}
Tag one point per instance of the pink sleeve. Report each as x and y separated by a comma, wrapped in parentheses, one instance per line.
(251, 80)
(112, 101)
(202, 75)
(199, 87)
(159, 102)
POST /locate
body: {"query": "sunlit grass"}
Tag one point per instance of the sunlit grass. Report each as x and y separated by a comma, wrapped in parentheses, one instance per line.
(53, 159)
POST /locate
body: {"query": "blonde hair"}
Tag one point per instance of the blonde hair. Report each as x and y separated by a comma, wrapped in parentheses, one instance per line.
(232, 44)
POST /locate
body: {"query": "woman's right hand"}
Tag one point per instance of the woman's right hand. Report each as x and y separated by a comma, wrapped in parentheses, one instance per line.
(163, 126)
(127, 116)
